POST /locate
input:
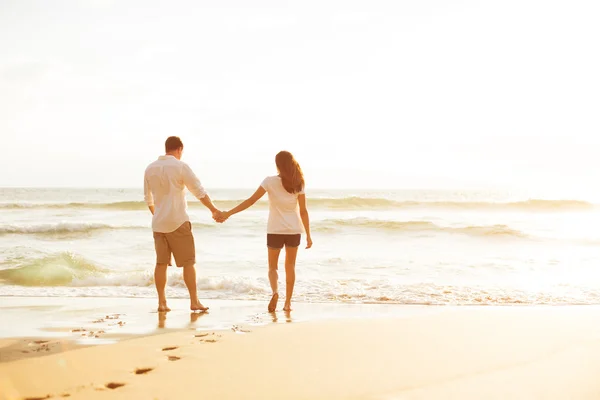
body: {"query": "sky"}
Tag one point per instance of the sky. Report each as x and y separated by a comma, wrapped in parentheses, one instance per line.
(378, 94)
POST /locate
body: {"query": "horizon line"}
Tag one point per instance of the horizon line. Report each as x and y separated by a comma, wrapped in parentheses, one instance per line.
(253, 188)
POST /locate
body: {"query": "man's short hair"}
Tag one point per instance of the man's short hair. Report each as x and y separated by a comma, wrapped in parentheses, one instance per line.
(173, 143)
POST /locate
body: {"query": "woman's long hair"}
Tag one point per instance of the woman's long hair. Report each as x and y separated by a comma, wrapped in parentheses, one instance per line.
(290, 172)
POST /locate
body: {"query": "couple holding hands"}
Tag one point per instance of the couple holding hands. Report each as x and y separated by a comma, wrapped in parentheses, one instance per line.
(165, 181)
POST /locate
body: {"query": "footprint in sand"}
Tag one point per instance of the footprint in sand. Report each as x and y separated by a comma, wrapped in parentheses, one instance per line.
(141, 371)
(201, 335)
(173, 358)
(170, 348)
(42, 345)
(209, 340)
(38, 398)
(114, 385)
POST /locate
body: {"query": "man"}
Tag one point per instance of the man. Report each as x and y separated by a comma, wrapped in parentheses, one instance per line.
(165, 181)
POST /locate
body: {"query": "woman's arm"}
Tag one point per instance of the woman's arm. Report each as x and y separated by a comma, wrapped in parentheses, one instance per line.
(260, 192)
(305, 219)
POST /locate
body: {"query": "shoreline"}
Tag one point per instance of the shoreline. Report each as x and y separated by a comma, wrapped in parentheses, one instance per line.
(40, 326)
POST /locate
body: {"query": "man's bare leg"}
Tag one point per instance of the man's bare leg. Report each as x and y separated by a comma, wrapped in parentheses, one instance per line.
(273, 278)
(189, 277)
(290, 276)
(160, 280)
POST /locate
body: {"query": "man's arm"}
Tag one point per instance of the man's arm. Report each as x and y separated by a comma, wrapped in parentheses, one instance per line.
(148, 198)
(208, 204)
(193, 184)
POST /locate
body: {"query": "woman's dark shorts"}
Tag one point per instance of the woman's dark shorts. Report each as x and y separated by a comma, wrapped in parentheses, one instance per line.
(277, 241)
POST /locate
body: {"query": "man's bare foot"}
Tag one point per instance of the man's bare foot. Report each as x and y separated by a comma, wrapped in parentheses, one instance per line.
(273, 303)
(197, 306)
(287, 307)
(163, 307)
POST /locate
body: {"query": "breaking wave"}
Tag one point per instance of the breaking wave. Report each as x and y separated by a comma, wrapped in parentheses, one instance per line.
(416, 226)
(53, 270)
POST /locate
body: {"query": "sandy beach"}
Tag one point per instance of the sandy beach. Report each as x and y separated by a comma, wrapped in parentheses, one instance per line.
(398, 353)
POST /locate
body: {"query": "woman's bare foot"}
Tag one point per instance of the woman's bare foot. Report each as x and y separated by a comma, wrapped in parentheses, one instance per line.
(287, 307)
(162, 307)
(273, 303)
(197, 306)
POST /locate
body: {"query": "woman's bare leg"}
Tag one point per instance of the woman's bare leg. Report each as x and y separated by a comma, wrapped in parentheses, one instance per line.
(273, 277)
(290, 275)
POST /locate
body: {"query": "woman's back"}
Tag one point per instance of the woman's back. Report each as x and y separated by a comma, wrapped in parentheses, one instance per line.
(284, 214)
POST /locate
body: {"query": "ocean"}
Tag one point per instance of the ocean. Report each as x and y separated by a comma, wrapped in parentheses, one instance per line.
(428, 247)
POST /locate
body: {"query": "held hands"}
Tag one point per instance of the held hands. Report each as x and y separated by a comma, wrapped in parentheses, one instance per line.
(220, 216)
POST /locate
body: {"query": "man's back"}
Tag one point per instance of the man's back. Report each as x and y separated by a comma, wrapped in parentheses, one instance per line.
(165, 181)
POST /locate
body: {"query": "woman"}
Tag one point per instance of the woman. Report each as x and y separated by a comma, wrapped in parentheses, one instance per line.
(287, 218)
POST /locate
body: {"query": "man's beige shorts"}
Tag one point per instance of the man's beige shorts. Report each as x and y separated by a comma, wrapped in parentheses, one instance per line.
(180, 243)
